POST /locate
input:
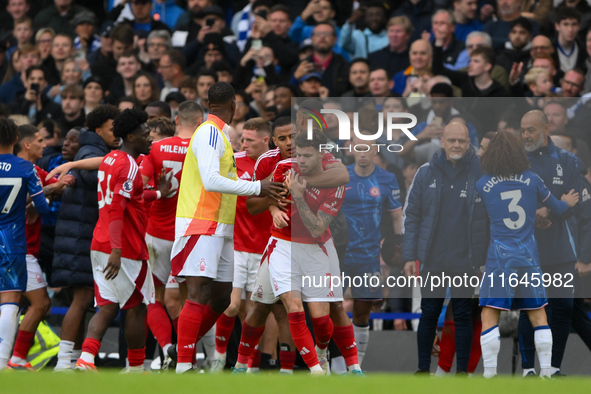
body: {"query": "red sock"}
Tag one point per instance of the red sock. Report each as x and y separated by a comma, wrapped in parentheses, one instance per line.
(136, 357)
(287, 359)
(91, 346)
(175, 324)
(159, 324)
(447, 345)
(248, 341)
(302, 338)
(223, 330)
(323, 328)
(476, 351)
(255, 358)
(207, 321)
(189, 323)
(344, 338)
(22, 344)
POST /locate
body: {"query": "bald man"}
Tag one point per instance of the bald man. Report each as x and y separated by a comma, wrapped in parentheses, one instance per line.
(445, 230)
(560, 172)
(421, 56)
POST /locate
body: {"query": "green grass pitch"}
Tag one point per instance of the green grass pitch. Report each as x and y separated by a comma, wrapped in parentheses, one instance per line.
(108, 382)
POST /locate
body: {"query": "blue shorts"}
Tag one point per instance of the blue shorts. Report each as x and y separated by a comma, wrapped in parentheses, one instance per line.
(13, 272)
(519, 288)
(362, 273)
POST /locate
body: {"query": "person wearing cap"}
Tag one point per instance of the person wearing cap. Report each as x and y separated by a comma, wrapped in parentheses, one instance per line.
(360, 43)
(59, 16)
(310, 85)
(105, 49)
(86, 41)
(172, 70)
(94, 93)
(519, 44)
(142, 14)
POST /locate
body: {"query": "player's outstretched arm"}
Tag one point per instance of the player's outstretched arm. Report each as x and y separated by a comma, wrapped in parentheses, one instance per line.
(334, 175)
(89, 164)
(315, 223)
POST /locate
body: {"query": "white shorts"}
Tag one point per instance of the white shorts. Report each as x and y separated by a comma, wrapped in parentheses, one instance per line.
(159, 250)
(246, 266)
(204, 255)
(173, 282)
(133, 285)
(289, 266)
(35, 278)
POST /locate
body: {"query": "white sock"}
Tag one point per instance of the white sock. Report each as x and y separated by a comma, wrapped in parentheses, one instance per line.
(528, 370)
(240, 365)
(354, 367)
(8, 327)
(543, 341)
(65, 355)
(17, 360)
(88, 357)
(490, 342)
(219, 356)
(338, 365)
(183, 367)
(321, 352)
(362, 338)
(440, 372)
(208, 342)
(316, 368)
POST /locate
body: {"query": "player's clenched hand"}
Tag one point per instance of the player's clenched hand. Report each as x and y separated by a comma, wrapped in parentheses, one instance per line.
(280, 218)
(113, 264)
(571, 198)
(164, 185)
(272, 189)
(298, 185)
(410, 268)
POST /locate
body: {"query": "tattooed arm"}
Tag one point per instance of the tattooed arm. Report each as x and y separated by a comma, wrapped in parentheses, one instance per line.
(315, 223)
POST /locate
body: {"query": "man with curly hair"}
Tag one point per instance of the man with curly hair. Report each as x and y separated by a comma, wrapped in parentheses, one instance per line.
(119, 255)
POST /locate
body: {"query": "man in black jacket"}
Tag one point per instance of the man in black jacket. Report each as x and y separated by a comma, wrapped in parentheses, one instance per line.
(33, 102)
(73, 234)
(394, 57)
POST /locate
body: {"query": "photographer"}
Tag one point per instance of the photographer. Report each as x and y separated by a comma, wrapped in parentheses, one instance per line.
(33, 102)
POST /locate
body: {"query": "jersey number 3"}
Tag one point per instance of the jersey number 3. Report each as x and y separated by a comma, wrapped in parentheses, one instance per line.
(514, 196)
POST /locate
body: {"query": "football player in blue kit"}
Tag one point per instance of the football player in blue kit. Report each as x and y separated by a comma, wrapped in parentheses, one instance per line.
(17, 178)
(513, 277)
(370, 191)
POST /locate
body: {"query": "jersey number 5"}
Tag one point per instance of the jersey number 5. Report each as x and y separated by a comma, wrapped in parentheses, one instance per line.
(514, 196)
(15, 184)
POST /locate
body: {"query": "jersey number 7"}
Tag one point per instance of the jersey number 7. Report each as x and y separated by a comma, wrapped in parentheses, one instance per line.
(15, 184)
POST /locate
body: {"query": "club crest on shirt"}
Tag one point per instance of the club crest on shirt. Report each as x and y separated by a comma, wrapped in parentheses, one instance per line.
(374, 191)
(202, 265)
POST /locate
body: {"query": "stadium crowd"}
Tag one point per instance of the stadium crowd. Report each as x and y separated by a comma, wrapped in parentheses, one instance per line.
(92, 85)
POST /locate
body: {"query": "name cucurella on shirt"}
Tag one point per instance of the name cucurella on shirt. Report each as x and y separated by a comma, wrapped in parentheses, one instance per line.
(497, 179)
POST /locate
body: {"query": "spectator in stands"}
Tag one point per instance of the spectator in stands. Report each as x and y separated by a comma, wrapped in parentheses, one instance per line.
(86, 41)
(71, 75)
(126, 102)
(62, 48)
(282, 98)
(22, 32)
(359, 79)
(158, 43)
(570, 50)
(315, 13)
(33, 102)
(142, 16)
(310, 85)
(257, 63)
(73, 234)
(145, 89)
(465, 14)
(44, 41)
(380, 86)
(204, 82)
(59, 16)
(73, 114)
(15, 9)
(158, 109)
(419, 12)
(128, 65)
(443, 30)
(430, 227)
(51, 133)
(94, 93)
(359, 43)
(172, 69)
(122, 38)
(394, 57)
(333, 67)
(224, 71)
(517, 49)
(420, 56)
(27, 56)
(189, 23)
(188, 88)
(573, 83)
(558, 121)
(539, 82)
(507, 12)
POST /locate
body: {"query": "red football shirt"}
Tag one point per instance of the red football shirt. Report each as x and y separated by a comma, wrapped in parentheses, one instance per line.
(327, 200)
(267, 163)
(168, 153)
(119, 175)
(251, 233)
(33, 230)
